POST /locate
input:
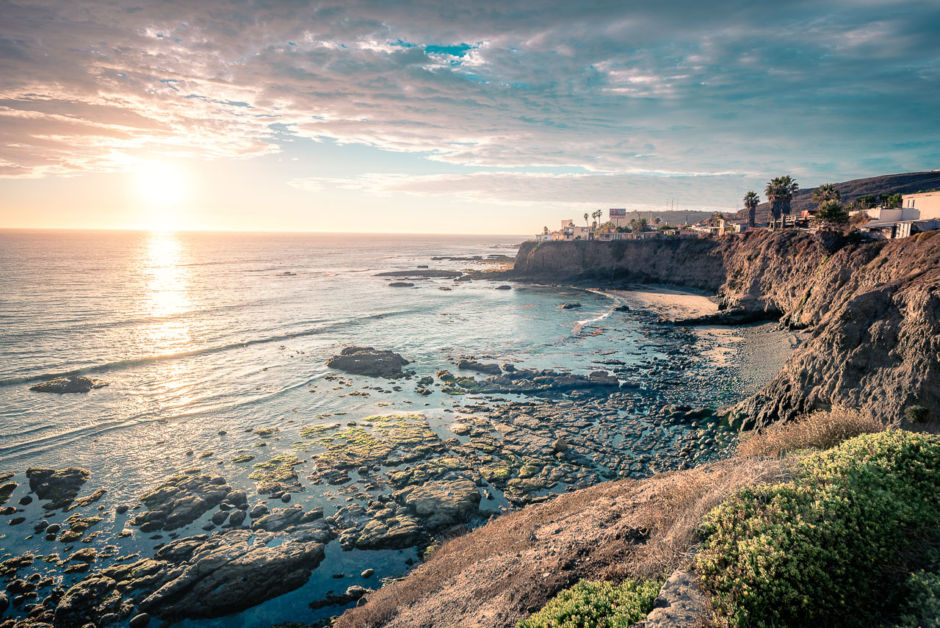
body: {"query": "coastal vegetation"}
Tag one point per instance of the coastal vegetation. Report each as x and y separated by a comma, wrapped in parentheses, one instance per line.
(597, 603)
(844, 536)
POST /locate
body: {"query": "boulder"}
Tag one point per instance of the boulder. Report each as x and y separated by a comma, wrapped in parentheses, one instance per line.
(441, 503)
(70, 384)
(394, 533)
(680, 603)
(60, 486)
(368, 361)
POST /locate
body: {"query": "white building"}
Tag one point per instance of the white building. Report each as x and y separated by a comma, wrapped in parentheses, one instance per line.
(926, 204)
(917, 213)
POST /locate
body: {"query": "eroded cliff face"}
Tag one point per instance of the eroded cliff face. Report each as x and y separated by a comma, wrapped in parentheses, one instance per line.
(873, 308)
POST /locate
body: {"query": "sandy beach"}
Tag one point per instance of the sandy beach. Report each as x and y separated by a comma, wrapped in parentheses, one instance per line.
(754, 353)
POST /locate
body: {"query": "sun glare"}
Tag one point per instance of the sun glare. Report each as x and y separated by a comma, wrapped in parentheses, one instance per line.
(162, 188)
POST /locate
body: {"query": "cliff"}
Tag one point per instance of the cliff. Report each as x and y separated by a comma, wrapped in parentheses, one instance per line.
(873, 308)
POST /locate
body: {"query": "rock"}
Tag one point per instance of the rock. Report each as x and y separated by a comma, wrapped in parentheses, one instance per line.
(6, 490)
(479, 367)
(283, 518)
(219, 518)
(680, 603)
(4, 603)
(504, 287)
(367, 573)
(180, 500)
(394, 533)
(441, 503)
(139, 621)
(400, 284)
(236, 518)
(88, 499)
(368, 361)
(59, 487)
(570, 306)
(233, 571)
(258, 511)
(355, 592)
(559, 444)
(70, 384)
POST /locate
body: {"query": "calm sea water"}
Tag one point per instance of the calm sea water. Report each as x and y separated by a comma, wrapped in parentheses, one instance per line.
(198, 333)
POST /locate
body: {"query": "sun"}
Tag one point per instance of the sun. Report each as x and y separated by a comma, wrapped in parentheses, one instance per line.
(162, 189)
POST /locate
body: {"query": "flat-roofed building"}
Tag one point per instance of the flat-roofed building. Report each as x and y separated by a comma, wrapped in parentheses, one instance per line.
(926, 204)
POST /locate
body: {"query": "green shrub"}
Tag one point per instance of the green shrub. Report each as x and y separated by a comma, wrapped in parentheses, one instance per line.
(824, 548)
(922, 606)
(916, 414)
(600, 604)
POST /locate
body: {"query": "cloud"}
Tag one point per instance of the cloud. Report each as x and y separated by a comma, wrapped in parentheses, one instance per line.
(604, 87)
(639, 190)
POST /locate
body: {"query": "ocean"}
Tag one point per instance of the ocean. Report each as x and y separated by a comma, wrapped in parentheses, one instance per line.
(208, 339)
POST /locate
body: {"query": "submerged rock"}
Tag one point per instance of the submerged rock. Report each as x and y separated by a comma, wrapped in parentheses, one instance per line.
(479, 367)
(570, 306)
(70, 384)
(368, 361)
(60, 486)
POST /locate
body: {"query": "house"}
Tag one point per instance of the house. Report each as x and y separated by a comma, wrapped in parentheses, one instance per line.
(917, 213)
(926, 204)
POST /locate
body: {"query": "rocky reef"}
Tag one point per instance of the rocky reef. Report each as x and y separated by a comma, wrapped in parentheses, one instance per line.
(873, 308)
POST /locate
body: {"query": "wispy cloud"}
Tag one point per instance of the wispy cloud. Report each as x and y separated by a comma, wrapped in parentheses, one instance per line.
(675, 87)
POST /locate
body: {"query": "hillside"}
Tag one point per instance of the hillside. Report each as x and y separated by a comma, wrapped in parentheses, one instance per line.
(907, 183)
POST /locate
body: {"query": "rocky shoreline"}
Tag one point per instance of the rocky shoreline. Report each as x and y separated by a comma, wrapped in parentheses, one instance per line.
(516, 437)
(872, 308)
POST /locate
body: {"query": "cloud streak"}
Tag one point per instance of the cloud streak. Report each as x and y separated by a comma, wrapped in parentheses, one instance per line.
(679, 87)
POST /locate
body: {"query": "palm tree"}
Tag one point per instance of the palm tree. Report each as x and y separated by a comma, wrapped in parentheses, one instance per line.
(545, 230)
(826, 192)
(751, 200)
(780, 191)
(585, 219)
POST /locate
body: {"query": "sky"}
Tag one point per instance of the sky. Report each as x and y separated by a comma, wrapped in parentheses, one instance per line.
(447, 117)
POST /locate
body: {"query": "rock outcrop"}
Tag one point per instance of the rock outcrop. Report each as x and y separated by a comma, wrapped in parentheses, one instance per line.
(180, 500)
(60, 486)
(873, 308)
(368, 361)
(195, 577)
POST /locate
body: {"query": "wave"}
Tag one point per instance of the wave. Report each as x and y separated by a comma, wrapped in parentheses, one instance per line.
(133, 362)
(580, 325)
(59, 439)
